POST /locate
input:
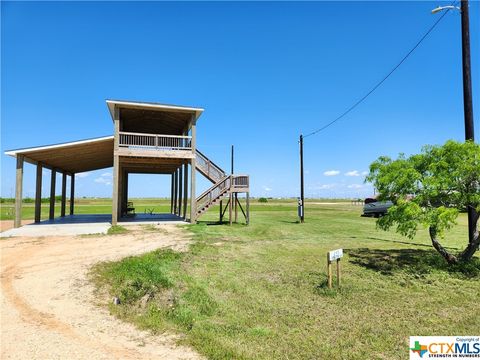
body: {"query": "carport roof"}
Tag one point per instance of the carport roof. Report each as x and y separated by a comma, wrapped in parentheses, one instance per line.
(72, 157)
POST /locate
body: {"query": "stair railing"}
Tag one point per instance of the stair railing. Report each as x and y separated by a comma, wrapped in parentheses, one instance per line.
(209, 168)
(213, 193)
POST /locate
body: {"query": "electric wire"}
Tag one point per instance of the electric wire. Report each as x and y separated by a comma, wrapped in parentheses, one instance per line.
(358, 102)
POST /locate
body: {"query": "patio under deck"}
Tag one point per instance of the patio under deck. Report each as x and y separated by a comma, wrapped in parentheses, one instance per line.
(83, 224)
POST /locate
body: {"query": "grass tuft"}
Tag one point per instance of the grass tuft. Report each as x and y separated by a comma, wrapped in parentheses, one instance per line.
(116, 229)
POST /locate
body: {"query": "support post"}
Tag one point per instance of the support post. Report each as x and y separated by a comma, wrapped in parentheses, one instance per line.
(171, 193)
(64, 194)
(236, 207)
(248, 208)
(53, 179)
(221, 214)
(185, 190)
(125, 186)
(116, 165)
(19, 191)
(175, 192)
(116, 179)
(193, 199)
(338, 273)
(38, 193)
(329, 272)
(230, 209)
(72, 193)
(180, 190)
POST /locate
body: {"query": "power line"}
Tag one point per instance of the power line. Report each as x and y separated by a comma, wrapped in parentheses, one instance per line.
(385, 78)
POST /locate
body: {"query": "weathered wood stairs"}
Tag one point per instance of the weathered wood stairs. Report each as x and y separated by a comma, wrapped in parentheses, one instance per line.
(224, 186)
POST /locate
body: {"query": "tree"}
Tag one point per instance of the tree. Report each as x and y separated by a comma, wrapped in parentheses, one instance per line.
(430, 189)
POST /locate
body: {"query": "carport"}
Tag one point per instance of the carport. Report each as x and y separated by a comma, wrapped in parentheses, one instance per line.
(65, 158)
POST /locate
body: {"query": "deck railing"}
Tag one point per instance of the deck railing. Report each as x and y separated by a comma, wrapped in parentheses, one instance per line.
(240, 181)
(154, 141)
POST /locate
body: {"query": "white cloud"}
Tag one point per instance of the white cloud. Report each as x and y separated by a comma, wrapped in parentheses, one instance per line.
(82, 175)
(331, 173)
(266, 188)
(102, 180)
(323, 187)
(106, 174)
(355, 186)
(352, 173)
(365, 173)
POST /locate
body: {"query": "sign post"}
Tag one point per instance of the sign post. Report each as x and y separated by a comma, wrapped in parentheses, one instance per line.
(332, 256)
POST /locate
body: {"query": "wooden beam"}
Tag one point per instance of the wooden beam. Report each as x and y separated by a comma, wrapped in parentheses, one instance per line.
(185, 190)
(125, 186)
(171, 193)
(230, 203)
(72, 193)
(236, 207)
(64, 193)
(248, 208)
(171, 154)
(53, 179)
(19, 191)
(121, 205)
(193, 199)
(221, 214)
(175, 191)
(180, 191)
(116, 166)
(151, 161)
(241, 208)
(38, 193)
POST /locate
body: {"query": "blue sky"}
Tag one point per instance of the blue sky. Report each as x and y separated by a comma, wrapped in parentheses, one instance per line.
(264, 72)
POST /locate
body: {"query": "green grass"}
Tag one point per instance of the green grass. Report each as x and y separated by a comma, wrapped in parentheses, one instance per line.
(116, 229)
(85, 206)
(258, 292)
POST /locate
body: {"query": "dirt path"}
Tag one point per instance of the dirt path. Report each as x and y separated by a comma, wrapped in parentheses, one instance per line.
(8, 224)
(47, 305)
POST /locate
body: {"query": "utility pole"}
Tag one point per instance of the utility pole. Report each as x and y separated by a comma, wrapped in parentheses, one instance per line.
(301, 203)
(467, 76)
(232, 161)
(467, 98)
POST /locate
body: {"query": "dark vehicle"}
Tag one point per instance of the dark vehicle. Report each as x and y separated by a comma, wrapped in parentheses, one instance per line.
(375, 208)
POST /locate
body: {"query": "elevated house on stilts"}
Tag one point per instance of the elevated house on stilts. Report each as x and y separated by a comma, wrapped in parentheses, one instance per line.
(148, 138)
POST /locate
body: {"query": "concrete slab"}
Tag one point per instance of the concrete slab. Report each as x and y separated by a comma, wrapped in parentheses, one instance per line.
(83, 224)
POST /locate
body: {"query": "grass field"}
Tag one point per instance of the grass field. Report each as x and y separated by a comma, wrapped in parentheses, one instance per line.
(259, 292)
(84, 206)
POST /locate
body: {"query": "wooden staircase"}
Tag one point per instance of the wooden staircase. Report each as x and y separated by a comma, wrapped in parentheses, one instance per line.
(223, 185)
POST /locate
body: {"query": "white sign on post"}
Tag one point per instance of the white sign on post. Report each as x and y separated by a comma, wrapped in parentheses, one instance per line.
(335, 254)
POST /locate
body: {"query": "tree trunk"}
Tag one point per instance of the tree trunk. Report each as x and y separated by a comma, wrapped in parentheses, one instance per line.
(472, 247)
(466, 255)
(451, 259)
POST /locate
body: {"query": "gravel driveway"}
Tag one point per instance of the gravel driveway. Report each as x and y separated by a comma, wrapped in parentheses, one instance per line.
(48, 309)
